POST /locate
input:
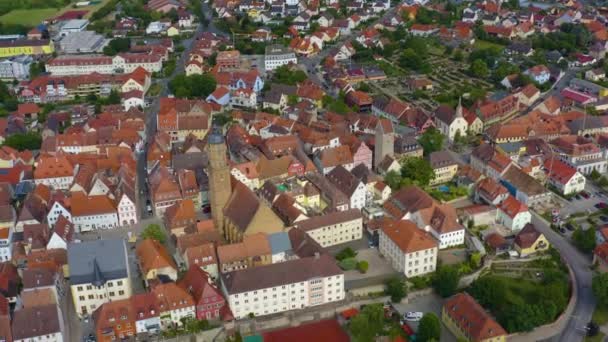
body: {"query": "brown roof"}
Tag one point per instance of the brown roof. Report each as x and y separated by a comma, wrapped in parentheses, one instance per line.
(407, 236)
(180, 214)
(35, 321)
(153, 255)
(144, 305)
(83, 205)
(201, 255)
(172, 297)
(52, 167)
(242, 206)
(340, 155)
(408, 199)
(289, 272)
(527, 236)
(38, 297)
(344, 180)
(252, 246)
(472, 318)
(113, 313)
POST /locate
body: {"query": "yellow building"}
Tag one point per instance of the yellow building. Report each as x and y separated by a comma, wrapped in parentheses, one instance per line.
(26, 47)
(444, 166)
(529, 241)
(467, 320)
(245, 215)
(172, 31)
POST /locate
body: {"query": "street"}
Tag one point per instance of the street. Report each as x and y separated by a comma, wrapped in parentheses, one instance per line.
(580, 264)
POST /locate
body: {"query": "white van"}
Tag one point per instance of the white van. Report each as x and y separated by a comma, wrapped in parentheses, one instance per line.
(413, 316)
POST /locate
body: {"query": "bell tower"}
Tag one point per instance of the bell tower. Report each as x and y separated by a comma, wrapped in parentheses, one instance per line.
(219, 179)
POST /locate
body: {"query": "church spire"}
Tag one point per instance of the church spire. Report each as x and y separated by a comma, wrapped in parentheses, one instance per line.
(459, 108)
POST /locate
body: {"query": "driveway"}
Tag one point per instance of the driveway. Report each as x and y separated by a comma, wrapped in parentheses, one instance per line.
(429, 303)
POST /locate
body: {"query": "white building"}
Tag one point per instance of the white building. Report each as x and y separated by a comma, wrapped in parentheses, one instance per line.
(127, 210)
(86, 64)
(450, 123)
(6, 246)
(349, 185)
(409, 250)
(244, 98)
(147, 313)
(175, 304)
(565, 178)
(334, 228)
(63, 233)
(73, 25)
(290, 285)
(57, 209)
(513, 214)
(17, 67)
(442, 222)
(99, 273)
(93, 212)
(277, 55)
(157, 27)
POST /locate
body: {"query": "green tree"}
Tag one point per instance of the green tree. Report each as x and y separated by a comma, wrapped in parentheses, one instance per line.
(155, 232)
(475, 259)
(285, 74)
(348, 264)
(346, 253)
(504, 69)
(27, 141)
(446, 281)
(193, 86)
(368, 323)
(410, 59)
(479, 68)
(117, 45)
(595, 175)
(429, 328)
(393, 179)
(363, 266)
(431, 141)
(418, 170)
(584, 239)
(600, 288)
(396, 288)
(36, 69)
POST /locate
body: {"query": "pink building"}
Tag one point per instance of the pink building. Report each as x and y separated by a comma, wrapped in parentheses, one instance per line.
(210, 304)
(362, 154)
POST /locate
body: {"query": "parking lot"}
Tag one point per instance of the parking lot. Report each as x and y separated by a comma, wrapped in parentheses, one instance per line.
(428, 303)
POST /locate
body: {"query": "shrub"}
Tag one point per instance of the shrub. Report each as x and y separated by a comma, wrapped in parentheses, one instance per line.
(348, 264)
(363, 266)
(345, 254)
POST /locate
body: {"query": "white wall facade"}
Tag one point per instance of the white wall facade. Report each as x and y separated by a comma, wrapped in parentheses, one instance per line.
(57, 183)
(281, 298)
(338, 233)
(127, 211)
(87, 297)
(410, 264)
(93, 222)
(57, 210)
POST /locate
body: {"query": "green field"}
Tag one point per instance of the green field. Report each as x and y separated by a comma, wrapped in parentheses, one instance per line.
(482, 44)
(28, 17)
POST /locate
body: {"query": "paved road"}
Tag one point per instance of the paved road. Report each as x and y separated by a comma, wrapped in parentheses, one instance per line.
(556, 89)
(152, 110)
(585, 301)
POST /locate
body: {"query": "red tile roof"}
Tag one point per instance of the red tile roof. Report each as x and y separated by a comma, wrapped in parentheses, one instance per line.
(328, 330)
(472, 318)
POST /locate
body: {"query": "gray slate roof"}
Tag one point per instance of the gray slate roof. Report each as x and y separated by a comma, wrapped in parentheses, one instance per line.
(97, 261)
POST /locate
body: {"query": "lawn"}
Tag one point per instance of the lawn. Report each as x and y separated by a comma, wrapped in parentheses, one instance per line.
(28, 17)
(597, 338)
(389, 69)
(482, 44)
(600, 315)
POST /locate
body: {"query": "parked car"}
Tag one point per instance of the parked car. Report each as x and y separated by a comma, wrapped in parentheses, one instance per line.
(562, 230)
(578, 197)
(407, 329)
(601, 205)
(413, 316)
(569, 226)
(604, 218)
(585, 194)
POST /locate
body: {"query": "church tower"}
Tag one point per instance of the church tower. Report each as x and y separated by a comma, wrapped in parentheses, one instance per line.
(384, 141)
(219, 179)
